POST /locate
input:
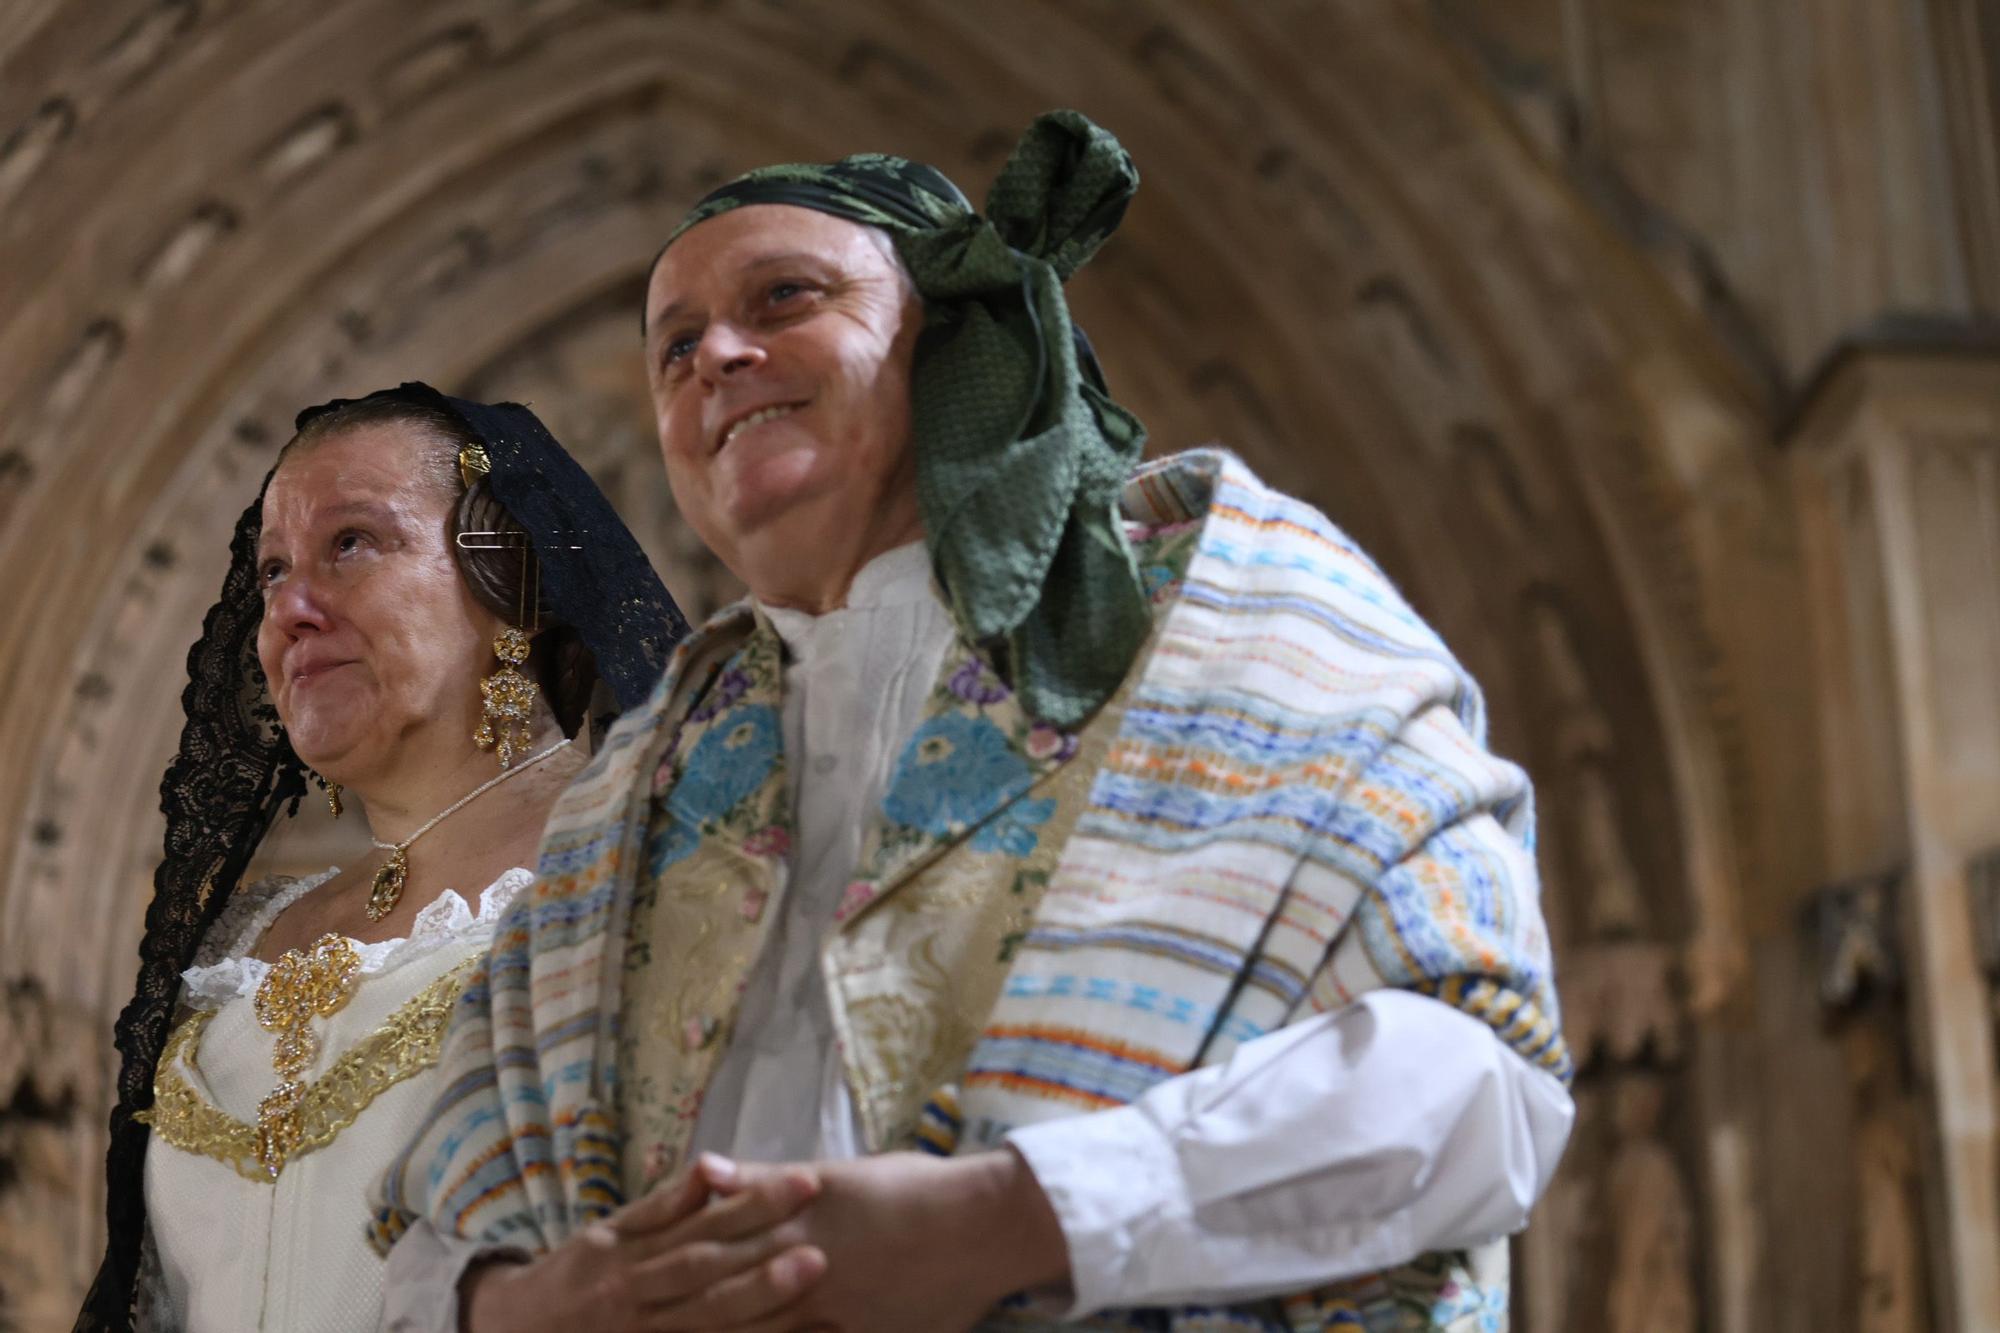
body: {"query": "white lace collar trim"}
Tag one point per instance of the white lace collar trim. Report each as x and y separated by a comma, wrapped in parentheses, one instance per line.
(443, 920)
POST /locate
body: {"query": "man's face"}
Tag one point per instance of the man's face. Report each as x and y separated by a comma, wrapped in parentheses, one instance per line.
(779, 342)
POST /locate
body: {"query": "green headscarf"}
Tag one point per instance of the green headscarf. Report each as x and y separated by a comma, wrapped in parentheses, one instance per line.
(1021, 452)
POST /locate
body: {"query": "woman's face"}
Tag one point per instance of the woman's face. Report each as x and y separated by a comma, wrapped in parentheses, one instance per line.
(371, 643)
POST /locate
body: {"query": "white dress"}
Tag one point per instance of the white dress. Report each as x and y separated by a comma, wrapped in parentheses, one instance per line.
(234, 1248)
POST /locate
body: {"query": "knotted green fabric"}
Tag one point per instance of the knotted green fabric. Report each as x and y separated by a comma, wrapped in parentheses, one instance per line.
(1021, 451)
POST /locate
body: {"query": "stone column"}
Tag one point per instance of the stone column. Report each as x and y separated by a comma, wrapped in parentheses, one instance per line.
(1898, 470)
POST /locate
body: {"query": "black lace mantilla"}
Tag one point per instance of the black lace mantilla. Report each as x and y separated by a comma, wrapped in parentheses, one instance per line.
(221, 793)
(593, 572)
(235, 770)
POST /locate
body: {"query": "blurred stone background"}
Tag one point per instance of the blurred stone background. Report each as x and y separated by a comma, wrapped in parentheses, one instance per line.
(1649, 344)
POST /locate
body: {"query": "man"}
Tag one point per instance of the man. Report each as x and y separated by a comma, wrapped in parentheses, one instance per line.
(1120, 841)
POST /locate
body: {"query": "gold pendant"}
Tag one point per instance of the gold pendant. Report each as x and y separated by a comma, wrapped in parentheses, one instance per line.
(302, 985)
(387, 889)
(333, 798)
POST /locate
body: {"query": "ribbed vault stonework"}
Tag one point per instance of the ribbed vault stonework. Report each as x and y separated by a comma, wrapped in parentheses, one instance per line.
(1352, 260)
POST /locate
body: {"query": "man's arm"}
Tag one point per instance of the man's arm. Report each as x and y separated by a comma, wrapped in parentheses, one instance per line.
(1423, 1109)
(1346, 1143)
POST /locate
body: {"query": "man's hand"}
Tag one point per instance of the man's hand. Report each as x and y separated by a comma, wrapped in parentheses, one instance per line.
(636, 1271)
(910, 1243)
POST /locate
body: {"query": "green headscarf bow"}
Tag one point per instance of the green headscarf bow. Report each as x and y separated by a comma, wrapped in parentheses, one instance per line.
(1021, 452)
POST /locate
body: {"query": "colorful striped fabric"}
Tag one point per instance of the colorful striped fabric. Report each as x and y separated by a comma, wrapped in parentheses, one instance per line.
(1297, 806)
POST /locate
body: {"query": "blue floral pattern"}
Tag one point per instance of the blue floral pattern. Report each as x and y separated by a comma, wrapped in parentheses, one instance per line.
(1156, 577)
(729, 764)
(669, 842)
(957, 769)
(1012, 831)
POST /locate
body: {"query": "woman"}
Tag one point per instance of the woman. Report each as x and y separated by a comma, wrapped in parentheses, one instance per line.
(418, 607)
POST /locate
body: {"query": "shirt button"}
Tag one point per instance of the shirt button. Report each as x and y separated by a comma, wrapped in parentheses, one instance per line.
(825, 764)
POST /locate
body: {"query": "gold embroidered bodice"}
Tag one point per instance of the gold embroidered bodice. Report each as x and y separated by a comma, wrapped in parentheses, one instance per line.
(236, 1247)
(300, 1117)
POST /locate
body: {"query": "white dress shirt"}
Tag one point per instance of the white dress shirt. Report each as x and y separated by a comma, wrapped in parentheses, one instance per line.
(856, 681)
(1339, 1145)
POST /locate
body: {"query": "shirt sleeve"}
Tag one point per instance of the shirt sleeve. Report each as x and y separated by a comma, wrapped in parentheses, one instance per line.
(420, 1286)
(1346, 1143)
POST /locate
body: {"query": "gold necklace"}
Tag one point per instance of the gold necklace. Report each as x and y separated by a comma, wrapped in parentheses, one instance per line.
(387, 889)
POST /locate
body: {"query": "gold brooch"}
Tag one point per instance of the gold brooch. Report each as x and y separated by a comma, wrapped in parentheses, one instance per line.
(303, 984)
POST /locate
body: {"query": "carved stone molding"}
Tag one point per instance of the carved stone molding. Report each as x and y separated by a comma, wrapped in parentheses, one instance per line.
(1854, 930)
(1622, 1005)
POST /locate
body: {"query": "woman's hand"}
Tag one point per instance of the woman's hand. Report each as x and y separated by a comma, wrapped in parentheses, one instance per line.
(910, 1243)
(637, 1270)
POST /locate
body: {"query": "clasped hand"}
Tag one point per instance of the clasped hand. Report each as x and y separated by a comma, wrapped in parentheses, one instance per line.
(884, 1244)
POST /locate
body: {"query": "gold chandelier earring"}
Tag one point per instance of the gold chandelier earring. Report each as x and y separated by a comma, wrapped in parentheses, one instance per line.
(510, 695)
(510, 699)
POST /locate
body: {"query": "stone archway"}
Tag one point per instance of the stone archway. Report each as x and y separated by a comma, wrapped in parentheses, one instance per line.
(1346, 263)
